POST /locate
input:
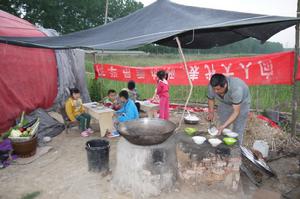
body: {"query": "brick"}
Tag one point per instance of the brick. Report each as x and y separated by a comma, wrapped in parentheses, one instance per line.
(220, 163)
(218, 171)
(228, 180)
(206, 160)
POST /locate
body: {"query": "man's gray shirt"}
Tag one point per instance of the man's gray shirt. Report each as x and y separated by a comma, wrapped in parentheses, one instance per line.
(237, 92)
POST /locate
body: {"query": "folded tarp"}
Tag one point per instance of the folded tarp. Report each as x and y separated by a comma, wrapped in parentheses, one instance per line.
(160, 22)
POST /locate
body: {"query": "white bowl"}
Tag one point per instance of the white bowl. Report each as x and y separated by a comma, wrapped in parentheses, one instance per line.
(232, 134)
(198, 139)
(214, 141)
(213, 131)
(192, 118)
(225, 131)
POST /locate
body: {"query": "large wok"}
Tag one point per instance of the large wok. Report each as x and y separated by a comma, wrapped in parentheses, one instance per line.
(146, 131)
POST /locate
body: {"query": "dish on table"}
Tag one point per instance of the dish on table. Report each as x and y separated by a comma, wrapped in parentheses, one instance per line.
(225, 131)
(229, 141)
(214, 141)
(213, 131)
(190, 131)
(232, 134)
(199, 139)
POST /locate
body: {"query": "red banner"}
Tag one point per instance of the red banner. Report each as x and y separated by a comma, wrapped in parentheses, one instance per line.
(270, 69)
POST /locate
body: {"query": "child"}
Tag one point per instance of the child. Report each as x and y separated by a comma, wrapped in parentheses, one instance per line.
(111, 100)
(133, 95)
(162, 90)
(75, 111)
(129, 110)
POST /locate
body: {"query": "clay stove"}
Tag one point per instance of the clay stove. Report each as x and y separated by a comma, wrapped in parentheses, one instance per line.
(204, 166)
(147, 169)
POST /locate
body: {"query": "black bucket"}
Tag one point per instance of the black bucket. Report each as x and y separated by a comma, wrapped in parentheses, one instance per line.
(98, 155)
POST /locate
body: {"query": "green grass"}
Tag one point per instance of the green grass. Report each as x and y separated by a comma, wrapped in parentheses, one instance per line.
(263, 97)
(150, 60)
(32, 195)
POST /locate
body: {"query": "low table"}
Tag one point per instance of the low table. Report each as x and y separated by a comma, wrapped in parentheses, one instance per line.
(101, 113)
(150, 108)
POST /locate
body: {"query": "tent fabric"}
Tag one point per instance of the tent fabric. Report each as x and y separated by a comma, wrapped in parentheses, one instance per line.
(48, 126)
(71, 72)
(160, 22)
(28, 77)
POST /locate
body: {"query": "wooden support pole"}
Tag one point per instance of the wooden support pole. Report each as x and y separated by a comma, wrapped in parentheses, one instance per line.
(295, 90)
(106, 12)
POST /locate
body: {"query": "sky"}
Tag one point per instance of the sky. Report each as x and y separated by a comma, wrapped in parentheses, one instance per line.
(268, 7)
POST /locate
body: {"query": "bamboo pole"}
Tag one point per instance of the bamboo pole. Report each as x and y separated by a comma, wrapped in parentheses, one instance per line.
(295, 90)
(188, 76)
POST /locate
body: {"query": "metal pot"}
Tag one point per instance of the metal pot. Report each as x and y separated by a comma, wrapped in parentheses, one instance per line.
(146, 131)
(188, 120)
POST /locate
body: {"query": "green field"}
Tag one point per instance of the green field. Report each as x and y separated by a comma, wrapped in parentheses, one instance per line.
(263, 97)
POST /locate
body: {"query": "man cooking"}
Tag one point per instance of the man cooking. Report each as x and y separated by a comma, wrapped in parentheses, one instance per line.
(234, 103)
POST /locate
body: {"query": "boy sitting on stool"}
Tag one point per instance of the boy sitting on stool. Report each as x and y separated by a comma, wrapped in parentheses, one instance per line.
(127, 112)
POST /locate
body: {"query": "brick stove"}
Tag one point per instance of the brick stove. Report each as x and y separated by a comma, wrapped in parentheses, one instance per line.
(204, 166)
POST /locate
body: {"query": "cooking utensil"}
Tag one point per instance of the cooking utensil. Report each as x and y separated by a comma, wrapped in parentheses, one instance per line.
(191, 119)
(146, 131)
(260, 163)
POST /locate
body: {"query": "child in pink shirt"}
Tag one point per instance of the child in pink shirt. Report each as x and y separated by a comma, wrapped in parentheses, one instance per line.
(162, 90)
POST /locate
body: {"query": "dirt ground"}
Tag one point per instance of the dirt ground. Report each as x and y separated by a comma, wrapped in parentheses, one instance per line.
(62, 173)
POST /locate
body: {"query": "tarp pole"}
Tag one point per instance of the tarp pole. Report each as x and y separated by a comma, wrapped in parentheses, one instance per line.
(188, 76)
(295, 90)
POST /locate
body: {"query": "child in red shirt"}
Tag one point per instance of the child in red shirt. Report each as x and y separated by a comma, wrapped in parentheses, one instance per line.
(162, 90)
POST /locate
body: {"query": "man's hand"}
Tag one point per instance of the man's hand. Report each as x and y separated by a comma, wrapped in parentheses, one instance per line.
(210, 116)
(232, 117)
(211, 106)
(220, 129)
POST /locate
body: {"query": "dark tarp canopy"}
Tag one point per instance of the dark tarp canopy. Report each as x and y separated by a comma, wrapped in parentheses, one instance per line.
(160, 22)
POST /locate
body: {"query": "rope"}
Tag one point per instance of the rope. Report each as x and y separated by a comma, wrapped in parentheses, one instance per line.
(190, 81)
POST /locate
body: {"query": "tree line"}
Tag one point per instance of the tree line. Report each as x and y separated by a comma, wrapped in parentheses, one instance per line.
(247, 46)
(66, 16)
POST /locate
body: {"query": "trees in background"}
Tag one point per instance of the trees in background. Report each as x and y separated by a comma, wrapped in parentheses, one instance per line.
(67, 16)
(247, 46)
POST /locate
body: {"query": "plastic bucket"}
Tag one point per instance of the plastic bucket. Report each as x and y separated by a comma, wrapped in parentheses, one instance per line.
(97, 155)
(262, 147)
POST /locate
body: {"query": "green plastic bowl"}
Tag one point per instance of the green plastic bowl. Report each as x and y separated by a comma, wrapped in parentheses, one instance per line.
(190, 131)
(230, 141)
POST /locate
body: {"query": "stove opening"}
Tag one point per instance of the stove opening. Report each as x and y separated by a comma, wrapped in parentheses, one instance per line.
(158, 157)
